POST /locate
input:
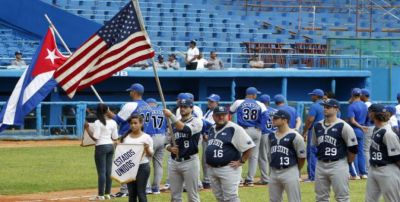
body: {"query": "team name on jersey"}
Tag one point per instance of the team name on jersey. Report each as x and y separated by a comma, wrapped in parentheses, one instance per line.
(250, 105)
(327, 139)
(179, 135)
(157, 112)
(280, 149)
(375, 145)
(215, 142)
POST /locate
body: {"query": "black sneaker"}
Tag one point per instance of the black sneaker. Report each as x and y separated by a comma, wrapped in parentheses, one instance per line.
(248, 183)
(120, 195)
(206, 185)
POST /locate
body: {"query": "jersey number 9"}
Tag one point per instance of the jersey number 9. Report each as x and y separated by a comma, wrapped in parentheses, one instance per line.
(250, 114)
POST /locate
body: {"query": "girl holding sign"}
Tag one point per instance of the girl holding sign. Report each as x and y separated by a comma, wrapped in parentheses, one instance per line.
(105, 131)
(137, 188)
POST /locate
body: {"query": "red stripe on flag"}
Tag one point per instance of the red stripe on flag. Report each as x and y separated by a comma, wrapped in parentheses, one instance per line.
(80, 69)
(76, 58)
(121, 67)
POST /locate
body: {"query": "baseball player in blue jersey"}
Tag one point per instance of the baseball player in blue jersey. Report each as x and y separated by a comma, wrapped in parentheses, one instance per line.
(249, 115)
(287, 154)
(266, 130)
(295, 120)
(384, 170)
(228, 148)
(212, 103)
(137, 106)
(315, 114)
(185, 165)
(158, 125)
(336, 145)
(357, 114)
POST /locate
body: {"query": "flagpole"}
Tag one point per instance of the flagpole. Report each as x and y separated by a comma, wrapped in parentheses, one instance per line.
(69, 51)
(160, 91)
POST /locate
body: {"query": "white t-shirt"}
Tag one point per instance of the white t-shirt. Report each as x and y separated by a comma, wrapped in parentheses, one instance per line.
(143, 139)
(192, 52)
(105, 133)
(393, 121)
(201, 64)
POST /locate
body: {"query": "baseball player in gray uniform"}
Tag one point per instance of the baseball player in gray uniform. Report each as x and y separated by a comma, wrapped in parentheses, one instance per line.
(185, 165)
(384, 170)
(228, 148)
(337, 146)
(287, 154)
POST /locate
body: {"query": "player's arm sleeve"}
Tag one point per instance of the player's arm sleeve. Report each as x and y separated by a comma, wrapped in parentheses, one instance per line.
(391, 140)
(234, 106)
(350, 138)
(125, 112)
(241, 140)
(114, 133)
(299, 146)
(393, 122)
(193, 127)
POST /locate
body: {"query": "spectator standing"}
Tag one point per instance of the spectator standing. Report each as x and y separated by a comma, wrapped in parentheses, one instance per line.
(214, 63)
(18, 61)
(173, 63)
(104, 134)
(191, 56)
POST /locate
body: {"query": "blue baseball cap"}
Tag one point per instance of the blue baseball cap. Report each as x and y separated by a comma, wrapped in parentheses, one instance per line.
(190, 96)
(391, 109)
(252, 91)
(279, 98)
(186, 103)
(331, 103)
(220, 110)
(182, 96)
(356, 91)
(265, 98)
(317, 92)
(378, 108)
(137, 87)
(365, 92)
(214, 98)
(151, 100)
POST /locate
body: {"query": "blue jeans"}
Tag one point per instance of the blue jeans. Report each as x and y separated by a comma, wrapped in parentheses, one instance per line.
(137, 188)
(103, 155)
(311, 157)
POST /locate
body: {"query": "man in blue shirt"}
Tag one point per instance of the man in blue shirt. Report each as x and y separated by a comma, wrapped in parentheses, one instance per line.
(266, 129)
(357, 114)
(315, 114)
(158, 126)
(295, 120)
(249, 115)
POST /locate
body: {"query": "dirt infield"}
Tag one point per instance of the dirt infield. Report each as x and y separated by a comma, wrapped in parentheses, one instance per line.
(69, 195)
(39, 143)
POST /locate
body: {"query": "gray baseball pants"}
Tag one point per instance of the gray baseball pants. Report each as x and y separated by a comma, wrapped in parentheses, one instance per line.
(384, 181)
(284, 180)
(157, 160)
(335, 174)
(206, 178)
(263, 159)
(225, 183)
(255, 135)
(185, 172)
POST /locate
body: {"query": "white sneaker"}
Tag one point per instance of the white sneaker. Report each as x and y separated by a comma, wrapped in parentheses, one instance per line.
(364, 177)
(107, 197)
(355, 177)
(97, 198)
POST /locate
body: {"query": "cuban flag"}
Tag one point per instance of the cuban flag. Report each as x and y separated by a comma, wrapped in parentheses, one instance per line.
(35, 83)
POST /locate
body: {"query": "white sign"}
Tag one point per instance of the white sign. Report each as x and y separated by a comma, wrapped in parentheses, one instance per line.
(126, 162)
(86, 139)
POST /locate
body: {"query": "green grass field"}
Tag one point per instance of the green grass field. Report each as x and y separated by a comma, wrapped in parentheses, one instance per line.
(47, 169)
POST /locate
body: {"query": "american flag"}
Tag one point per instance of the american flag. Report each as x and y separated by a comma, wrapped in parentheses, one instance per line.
(119, 43)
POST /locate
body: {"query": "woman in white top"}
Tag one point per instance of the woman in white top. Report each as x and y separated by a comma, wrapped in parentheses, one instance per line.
(137, 188)
(191, 56)
(104, 133)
